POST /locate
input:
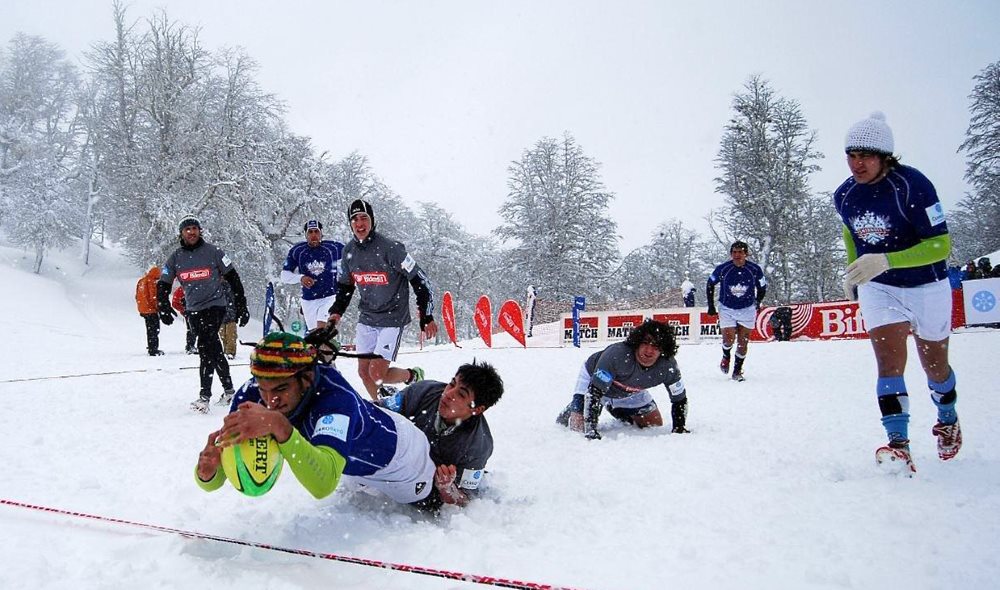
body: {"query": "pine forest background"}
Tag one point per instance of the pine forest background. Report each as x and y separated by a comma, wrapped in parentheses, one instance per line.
(155, 124)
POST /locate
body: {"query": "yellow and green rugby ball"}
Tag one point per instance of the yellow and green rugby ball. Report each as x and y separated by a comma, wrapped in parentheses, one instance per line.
(253, 465)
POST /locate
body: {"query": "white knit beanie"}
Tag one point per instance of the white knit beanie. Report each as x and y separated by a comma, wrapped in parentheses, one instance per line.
(870, 135)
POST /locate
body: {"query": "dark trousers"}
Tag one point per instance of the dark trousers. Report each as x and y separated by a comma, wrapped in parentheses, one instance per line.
(191, 337)
(206, 324)
(152, 331)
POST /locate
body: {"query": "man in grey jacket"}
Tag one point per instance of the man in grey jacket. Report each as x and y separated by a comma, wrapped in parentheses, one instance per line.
(382, 272)
(201, 269)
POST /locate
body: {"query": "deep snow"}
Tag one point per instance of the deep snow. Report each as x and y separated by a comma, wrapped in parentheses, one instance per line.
(775, 488)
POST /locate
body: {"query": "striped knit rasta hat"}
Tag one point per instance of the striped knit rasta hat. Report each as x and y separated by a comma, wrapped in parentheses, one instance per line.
(279, 355)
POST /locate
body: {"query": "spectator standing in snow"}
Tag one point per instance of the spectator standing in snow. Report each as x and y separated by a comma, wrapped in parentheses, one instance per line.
(228, 332)
(742, 287)
(985, 268)
(145, 301)
(619, 378)
(451, 416)
(382, 272)
(201, 268)
(687, 292)
(970, 272)
(897, 242)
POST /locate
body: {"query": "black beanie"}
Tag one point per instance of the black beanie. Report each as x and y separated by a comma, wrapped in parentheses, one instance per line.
(361, 206)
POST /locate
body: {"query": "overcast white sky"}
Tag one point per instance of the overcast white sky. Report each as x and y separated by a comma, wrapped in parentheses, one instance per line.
(442, 96)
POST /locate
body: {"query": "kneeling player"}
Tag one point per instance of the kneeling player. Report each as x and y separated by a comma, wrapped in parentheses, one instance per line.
(618, 378)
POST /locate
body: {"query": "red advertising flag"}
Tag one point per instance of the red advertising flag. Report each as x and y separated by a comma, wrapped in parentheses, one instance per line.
(511, 319)
(448, 313)
(484, 320)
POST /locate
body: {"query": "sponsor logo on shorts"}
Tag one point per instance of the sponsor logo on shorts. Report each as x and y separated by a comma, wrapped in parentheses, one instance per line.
(370, 278)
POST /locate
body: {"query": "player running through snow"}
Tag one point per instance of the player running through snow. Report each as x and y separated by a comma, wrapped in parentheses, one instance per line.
(742, 287)
(382, 272)
(897, 243)
(314, 264)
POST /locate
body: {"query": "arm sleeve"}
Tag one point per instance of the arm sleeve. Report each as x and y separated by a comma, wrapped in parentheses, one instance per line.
(761, 292)
(675, 387)
(163, 296)
(852, 252)
(318, 468)
(425, 300)
(290, 278)
(710, 292)
(213, 484)
(239, 296)
(344, 293)
(928, 251)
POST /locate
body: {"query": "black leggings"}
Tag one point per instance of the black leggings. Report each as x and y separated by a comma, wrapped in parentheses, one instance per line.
(206, 324)
(152, 331)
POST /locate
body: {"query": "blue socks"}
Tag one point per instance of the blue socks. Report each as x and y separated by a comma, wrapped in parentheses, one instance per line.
(894, 403)
(944, 397)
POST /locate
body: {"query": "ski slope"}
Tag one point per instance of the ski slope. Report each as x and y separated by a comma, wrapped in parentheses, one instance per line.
(775, 488)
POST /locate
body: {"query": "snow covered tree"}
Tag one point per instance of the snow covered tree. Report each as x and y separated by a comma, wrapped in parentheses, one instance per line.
(39, 175)
(657, 269)
(556, 216)
(766, 156)
(976, 222)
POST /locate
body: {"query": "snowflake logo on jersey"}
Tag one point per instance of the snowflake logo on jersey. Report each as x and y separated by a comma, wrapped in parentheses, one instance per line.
(316, 267)
(871, 228)
(738, 291)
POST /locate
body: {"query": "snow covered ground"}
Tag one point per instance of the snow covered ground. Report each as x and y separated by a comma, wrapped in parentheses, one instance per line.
(775, 488)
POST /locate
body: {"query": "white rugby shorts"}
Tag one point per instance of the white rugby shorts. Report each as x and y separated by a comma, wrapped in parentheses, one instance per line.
(730, 318)
(409, 476)
(927, 308)
(635, 400)
(382, 341)
(316, 310)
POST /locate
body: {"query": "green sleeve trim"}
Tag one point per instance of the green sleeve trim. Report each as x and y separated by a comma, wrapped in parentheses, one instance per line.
(928, 251)
(318, 468)
(852, 252)
(213, 484)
